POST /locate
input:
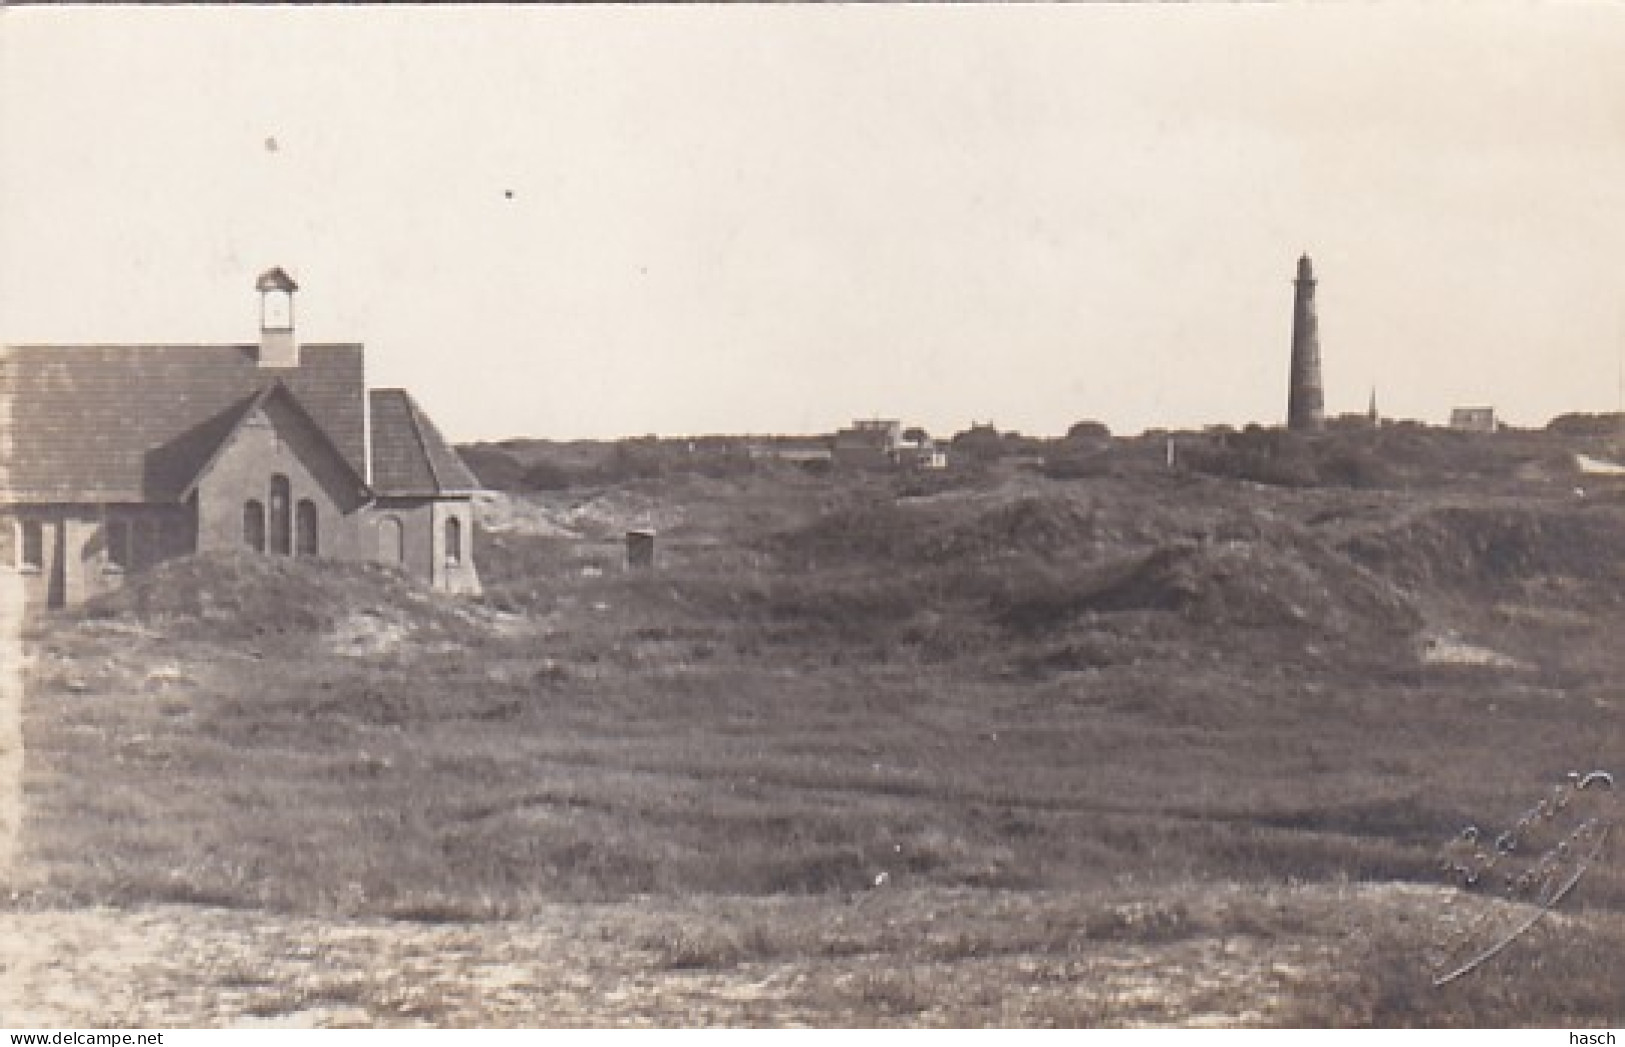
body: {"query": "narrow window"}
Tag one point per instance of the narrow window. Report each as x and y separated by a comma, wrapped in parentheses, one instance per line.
(305, 537)
(281, 519)
(454, 541)
(391, 542)
(119, 537)
(254, 525)
(32, 554)
(149, 546)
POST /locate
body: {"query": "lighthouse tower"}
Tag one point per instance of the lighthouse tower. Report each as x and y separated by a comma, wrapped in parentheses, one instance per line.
(1306, 402)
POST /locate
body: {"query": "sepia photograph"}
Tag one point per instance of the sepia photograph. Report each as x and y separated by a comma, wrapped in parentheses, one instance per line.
(824, 516)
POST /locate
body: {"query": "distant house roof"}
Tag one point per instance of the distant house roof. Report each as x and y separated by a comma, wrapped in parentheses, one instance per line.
(866, 438)
(131, 423)
(1478, 417)
(409, 456)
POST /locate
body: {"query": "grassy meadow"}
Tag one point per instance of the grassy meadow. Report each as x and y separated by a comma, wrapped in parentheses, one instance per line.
(977, 731)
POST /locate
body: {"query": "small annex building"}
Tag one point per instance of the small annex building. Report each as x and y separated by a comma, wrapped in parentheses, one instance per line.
(114, 458)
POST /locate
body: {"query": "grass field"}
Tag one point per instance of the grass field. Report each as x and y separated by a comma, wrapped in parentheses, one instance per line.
(954, 753)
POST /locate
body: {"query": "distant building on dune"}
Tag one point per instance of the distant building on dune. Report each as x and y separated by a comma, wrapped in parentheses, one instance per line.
(868, 443)
(917, 450)
(872, 442)
(1474, 419)
(118, 457)
(1370, 418)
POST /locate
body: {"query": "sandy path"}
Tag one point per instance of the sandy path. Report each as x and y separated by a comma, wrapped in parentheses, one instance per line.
(167, 966)
(1295, 956)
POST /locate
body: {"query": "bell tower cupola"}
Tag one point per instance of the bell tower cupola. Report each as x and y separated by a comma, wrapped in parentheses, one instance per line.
(277, 345)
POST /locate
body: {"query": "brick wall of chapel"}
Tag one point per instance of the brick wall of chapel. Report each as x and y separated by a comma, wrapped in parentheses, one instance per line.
(276, 444)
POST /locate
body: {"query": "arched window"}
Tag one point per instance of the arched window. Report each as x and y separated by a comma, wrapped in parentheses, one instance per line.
(31, 553)
(454, 541)
(304, 528)
(391, 541)
(281, 516)
(254, 525)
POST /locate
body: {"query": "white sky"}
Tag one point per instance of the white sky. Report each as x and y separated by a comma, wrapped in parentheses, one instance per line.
(760, 219)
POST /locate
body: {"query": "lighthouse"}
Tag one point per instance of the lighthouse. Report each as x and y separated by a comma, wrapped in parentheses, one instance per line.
(1306, 402)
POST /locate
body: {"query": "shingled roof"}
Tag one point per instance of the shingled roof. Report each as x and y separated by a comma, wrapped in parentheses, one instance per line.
(134, 423)
(409, 456)
(216, 443)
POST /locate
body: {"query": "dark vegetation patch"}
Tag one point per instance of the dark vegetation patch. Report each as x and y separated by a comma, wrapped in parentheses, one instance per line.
(1404, 456)
(1499, 549)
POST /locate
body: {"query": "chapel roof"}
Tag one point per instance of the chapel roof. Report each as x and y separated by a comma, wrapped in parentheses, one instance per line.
(137, 423)
(409, 456)
(124, 423)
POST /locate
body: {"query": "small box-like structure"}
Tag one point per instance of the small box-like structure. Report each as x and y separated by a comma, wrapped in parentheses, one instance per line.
(1474, 419)
(640, 549)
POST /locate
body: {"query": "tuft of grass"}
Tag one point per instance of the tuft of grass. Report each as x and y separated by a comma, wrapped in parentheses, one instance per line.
(892, 992)
(686, 949)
